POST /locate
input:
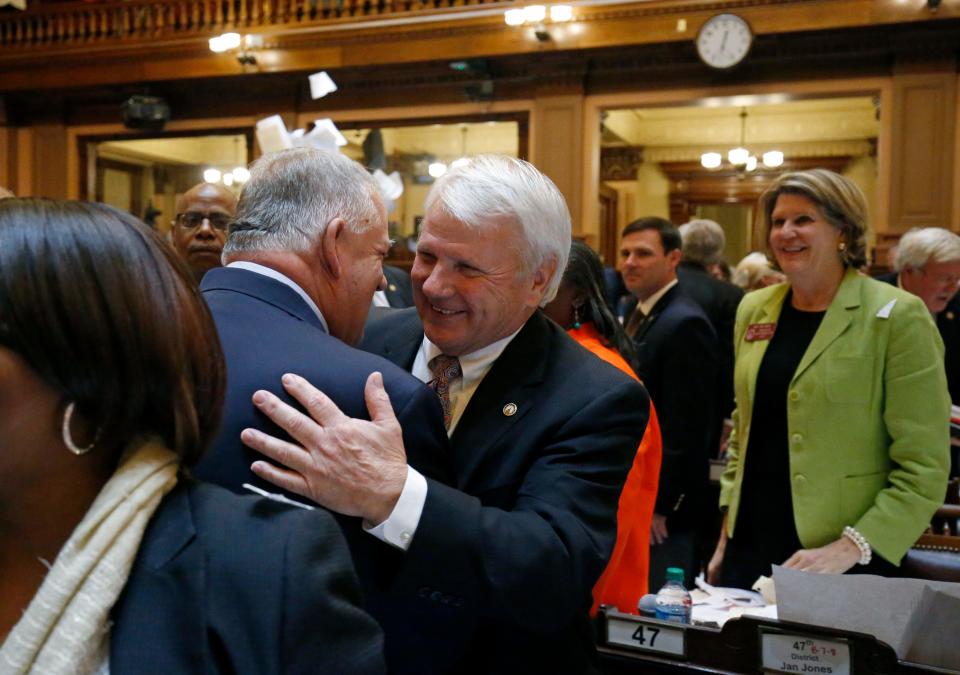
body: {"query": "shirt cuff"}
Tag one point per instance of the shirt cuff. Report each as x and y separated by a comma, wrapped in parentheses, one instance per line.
(400, 526)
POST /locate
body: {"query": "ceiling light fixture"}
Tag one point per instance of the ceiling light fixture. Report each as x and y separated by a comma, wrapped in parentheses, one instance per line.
(740, 157)
(536, 17)
(247, 44)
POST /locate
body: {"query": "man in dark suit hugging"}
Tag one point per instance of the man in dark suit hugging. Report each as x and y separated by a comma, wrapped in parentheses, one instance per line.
(303, 260)
(679, 359)
(542, 436)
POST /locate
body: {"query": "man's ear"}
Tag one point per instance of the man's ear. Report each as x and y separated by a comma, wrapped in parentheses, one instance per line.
(329, 247)
(674, 257)
(544, 275)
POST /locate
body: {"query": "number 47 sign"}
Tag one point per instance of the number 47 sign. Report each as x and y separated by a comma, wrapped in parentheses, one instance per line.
(627, 630)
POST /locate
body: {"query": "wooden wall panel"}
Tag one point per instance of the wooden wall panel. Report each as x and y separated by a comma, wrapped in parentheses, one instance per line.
(49, 161)
(922, 157)
(8, 156)
(556, 146)
(23, 177)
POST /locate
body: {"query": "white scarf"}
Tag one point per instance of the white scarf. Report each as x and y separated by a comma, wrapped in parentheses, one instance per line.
(65, 630)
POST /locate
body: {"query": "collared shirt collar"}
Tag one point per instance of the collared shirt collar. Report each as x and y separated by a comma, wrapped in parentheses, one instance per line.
(647, 305)
(474, 367)
(286, 281)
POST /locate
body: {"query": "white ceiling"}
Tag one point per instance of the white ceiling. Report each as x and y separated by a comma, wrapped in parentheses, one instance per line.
(815, 121)
(219, 151)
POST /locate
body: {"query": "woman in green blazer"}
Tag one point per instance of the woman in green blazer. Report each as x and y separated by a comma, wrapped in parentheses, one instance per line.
(842, 403)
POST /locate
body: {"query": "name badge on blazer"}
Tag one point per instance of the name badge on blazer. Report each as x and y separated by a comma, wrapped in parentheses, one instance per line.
(760, 331)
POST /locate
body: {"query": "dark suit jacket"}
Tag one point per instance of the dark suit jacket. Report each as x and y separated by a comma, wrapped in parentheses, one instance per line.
(228, 584)
(399, 290)
(266, 330)
(510, 553)
(719, 301)
(948, 322)
(677, 351)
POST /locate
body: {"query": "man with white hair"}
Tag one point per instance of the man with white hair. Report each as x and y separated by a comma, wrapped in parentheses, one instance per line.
(303, 259)
(542, 436)
(927, 264)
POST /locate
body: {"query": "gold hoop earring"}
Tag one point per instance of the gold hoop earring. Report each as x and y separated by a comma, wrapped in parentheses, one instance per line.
(68, 437)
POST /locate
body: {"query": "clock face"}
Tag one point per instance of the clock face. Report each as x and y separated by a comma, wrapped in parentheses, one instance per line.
(724, 40)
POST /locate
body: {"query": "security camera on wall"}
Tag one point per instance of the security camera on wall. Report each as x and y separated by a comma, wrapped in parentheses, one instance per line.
(145, 112)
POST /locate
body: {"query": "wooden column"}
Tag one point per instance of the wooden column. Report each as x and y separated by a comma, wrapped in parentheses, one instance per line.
(555, 145)
(922, 171)
(50, 161)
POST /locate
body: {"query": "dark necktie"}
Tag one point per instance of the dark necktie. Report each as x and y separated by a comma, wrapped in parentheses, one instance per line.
(636, 321)
(445, 369)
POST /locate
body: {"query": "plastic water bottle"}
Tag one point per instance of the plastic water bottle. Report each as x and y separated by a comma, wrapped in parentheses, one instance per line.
(673, 600)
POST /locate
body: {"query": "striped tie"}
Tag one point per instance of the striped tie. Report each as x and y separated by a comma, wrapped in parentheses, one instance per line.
(445, 370)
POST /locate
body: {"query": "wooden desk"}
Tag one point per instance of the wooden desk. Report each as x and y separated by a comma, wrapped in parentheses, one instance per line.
(737, 649)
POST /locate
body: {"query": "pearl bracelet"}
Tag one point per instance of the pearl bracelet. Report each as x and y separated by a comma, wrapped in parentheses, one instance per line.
(866, 553)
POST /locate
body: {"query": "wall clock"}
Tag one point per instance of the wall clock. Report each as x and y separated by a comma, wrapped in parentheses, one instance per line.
(724, 40)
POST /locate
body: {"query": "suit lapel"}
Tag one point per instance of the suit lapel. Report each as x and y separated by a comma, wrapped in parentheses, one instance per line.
(402, 344)
(513, 379)
(768, 313)
(835, 321)
(655, 312)
(167, 582)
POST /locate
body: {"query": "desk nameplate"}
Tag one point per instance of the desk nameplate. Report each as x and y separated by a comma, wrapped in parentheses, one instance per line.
(785, 653)
(648, 635)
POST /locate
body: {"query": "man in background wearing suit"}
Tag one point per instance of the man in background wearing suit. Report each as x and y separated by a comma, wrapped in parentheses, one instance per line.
(542, 434)
(703, 242)
(679, 358)
(200, 226)
(398, 292)
(927, 264)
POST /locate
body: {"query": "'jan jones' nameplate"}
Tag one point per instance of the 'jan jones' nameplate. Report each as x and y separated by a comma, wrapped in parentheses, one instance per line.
(627, 630)
(807, 655)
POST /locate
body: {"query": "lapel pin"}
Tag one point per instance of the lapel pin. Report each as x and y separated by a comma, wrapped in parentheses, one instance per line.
(392, 287)
(950, 316)
(510, 409)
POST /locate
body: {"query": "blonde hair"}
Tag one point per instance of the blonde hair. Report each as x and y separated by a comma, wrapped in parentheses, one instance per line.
(838, 199)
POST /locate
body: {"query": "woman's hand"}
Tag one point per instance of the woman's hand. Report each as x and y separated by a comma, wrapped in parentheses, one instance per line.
(716, 560)
(834, 558)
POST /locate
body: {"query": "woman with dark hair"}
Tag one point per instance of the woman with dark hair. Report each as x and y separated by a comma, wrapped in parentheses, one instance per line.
(581, 309)
(838, 456)
(111, 385)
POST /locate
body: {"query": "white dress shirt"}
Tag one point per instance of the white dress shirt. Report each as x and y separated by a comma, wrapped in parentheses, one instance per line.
(286, 281)
(398, 529)
(647, 305)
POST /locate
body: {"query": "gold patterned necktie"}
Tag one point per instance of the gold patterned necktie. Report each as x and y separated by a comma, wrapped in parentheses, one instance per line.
(445, 369)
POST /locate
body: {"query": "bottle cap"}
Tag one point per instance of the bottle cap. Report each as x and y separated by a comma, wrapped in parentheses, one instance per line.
(675, 574)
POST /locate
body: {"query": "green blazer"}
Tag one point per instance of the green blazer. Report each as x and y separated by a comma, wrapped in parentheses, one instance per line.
(867, 412)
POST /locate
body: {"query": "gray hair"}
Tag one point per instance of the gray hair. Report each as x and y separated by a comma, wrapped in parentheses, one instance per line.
(492, 186)
(703, 242)
(920, 246)
(292, 195)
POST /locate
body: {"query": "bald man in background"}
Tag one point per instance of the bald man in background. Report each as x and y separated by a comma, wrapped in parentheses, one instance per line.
(199, 230)
(5, 193)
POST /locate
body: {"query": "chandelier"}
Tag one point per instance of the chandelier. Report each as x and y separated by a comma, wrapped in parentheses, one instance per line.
(740, 157)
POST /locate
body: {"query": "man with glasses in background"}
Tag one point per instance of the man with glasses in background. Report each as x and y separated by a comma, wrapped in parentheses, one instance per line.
(200, 228)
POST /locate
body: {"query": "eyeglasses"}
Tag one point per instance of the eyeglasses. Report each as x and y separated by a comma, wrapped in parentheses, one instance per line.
(194, 219)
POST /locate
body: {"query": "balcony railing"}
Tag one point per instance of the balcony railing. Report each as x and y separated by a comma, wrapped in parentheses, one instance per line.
(79, 23)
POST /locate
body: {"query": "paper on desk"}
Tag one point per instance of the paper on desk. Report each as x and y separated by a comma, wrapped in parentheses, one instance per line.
(896, 611)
